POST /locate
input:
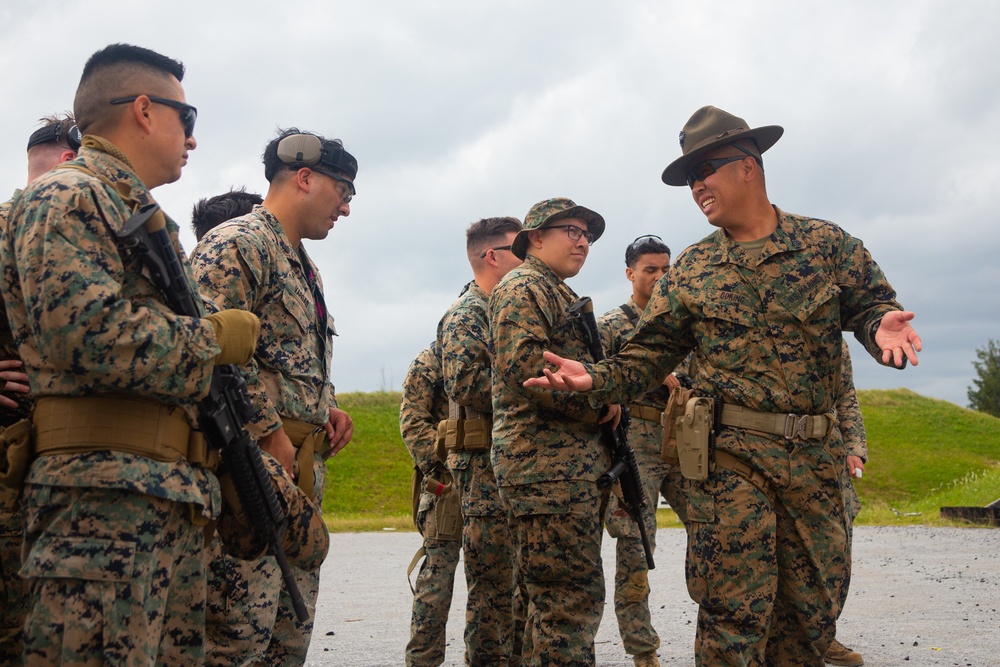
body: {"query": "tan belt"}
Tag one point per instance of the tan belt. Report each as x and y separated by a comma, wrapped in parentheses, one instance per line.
(307, 439)
(791, 426)
(645, 413)
(65, 425)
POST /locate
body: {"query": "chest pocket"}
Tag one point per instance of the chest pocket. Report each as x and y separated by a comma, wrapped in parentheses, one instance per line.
(727, 331)
(298, 309)
(816, 303)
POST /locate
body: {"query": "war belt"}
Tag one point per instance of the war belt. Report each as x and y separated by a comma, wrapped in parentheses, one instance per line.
(790, 426)
(645, 413)
(75, 425)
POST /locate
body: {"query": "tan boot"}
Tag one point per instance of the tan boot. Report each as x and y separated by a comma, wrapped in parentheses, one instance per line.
(647, 659)
(840, 655)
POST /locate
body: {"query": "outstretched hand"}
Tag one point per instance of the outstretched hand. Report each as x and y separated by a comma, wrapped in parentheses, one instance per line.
(570, 375)
(896, 337)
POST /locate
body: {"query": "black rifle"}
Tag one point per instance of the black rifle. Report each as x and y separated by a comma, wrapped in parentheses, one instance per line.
(227, 407)
(624, 468)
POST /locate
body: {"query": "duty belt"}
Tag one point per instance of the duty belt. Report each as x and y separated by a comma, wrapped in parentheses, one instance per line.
(307, 439)
(790, 426)
(645, 413)
(65, 425)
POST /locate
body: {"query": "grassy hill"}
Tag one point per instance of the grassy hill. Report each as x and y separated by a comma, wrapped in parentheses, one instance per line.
(923, 453)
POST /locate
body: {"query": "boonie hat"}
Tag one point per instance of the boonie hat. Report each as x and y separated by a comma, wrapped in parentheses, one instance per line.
(551, 210)
(709, 128)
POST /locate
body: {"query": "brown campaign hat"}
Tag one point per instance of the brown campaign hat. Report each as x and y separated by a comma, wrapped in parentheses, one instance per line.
(709, 128)
(551, 210)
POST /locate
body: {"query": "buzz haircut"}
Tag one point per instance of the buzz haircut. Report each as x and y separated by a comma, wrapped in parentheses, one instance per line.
(209, 213)
(644, 245)
(116, 71)
(484, 233)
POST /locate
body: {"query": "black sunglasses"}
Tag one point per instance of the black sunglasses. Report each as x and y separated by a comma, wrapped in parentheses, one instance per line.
(706, 168)
(188, 113)
(499, 247)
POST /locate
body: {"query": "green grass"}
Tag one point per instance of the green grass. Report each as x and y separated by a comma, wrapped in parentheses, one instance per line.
(923, 454)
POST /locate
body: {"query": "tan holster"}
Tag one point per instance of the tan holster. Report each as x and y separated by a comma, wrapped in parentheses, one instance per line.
(15, 454)
(444, 521)
(307, 439)
(674, 409)
(72, 425)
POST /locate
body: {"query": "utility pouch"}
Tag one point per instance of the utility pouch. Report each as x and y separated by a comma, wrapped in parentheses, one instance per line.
(674, 409)
(15, 454)
(694, 435)
(454, 434)
(444, 521)
(440, 451)
(477, 434)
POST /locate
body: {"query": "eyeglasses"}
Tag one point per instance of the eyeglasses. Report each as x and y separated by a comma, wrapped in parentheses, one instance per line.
(499, 247)
(188, 113)
(574, 232)
(344, 185)
(706, 168)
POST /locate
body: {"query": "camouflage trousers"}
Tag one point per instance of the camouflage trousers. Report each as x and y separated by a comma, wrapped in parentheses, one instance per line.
(242, 604)
(13, 589)
(432, 599)
(853, 505)
(631, 573)
(117, 578)
(558, 528)
(251, 619)
(769, 578)
(490, 635)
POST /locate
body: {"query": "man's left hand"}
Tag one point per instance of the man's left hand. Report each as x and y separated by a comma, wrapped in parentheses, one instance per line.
(896, 337)
(339, 430)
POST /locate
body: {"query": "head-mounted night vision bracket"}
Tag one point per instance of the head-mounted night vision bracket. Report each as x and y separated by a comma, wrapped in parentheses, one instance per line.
(308, 150)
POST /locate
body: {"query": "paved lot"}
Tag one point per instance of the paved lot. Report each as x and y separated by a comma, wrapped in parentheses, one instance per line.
(920, 596)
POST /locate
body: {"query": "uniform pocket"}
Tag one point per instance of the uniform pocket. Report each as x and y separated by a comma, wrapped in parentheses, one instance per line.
(86, 558)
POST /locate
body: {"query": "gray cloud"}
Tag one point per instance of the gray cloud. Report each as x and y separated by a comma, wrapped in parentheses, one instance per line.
(459, 110)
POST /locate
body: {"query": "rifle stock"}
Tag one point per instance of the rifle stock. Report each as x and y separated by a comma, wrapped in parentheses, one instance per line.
(624, 468)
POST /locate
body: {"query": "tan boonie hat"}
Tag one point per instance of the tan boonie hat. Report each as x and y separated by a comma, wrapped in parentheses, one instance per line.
(550, 210)
(709, 128)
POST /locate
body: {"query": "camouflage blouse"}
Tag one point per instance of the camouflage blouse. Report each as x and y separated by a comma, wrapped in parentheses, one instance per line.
(538, 435)
(423, 406)
(248, 263)
(90, 321)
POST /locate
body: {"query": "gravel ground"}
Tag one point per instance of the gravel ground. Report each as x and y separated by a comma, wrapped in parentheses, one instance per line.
(919, 596)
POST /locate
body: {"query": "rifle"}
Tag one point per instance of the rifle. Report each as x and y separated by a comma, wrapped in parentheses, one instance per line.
(227, 407)
(624, 468)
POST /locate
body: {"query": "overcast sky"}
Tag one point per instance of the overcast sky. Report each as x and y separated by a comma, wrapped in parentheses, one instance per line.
(462, 110)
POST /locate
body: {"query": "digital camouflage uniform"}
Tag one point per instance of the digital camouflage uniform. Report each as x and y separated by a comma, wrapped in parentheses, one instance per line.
(248, 263)
(423, 406)
(767, 336)
(852, 426)
(547, 456)
(463, 343)
(645, 434)
(13, 589)
(113, 556)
